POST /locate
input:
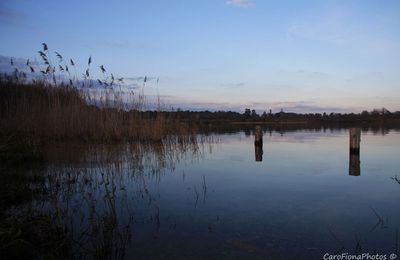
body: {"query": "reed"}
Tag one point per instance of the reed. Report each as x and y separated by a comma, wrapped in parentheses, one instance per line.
(41, 113)
(52, 105)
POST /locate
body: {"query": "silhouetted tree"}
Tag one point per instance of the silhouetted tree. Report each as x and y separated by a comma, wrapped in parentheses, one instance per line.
(264, 115)
(247, 113)
(365, 113)
(254, 113)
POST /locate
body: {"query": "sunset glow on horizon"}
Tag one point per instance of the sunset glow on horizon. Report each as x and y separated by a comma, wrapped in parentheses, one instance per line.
(300, 56)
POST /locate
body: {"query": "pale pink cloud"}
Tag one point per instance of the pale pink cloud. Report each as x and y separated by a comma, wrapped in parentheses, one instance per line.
(240, 3)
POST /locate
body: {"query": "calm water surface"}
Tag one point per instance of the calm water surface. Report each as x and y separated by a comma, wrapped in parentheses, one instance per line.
(211, 199)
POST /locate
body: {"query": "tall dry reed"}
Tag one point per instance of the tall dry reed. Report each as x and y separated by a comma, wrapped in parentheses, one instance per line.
(43, 112)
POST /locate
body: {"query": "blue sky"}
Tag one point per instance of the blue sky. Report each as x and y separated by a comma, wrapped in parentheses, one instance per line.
(303, 56)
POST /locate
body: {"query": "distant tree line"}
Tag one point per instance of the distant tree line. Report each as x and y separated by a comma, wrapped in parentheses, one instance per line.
(250, 115)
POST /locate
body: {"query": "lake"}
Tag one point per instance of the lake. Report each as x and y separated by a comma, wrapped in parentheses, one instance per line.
(218, 196)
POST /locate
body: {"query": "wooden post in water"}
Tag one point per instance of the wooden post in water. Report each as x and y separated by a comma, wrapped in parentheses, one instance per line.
(258, 139)
(354, 163)
(355, 139)
(258, 143)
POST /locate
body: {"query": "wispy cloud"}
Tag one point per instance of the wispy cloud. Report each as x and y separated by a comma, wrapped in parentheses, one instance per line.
(240, 3)
(127, 45)
(341, 26)
(287, 106)
(234, 85)
(312, 74)
(136, 82)
(118, 45)
(6, 67)
(12, 18)
(141, 78)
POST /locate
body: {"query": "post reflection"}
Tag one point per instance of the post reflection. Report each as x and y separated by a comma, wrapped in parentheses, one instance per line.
(354, 153)
(258, 144)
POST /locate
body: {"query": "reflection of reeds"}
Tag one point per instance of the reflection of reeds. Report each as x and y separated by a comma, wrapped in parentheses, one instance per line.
(338, 241)
(204, 189)
(93, 191)
(395, 178)
(360, 247)
(196, 193)
(380, 223)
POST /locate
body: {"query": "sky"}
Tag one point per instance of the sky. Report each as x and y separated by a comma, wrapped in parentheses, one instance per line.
(300, 56)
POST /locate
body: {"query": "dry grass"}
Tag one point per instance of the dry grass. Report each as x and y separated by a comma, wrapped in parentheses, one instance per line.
(44, 101)
(38, 112)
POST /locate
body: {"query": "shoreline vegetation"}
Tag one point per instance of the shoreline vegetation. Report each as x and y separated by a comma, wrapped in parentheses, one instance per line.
(58, 113)
(45, 101)
(33, 114)
(43, 112)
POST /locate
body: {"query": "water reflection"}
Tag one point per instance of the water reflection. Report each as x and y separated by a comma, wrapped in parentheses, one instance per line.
(187, 197)
(259, 152)
(354, 165)
(109, 193)
(354, 162)
(258, 144)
